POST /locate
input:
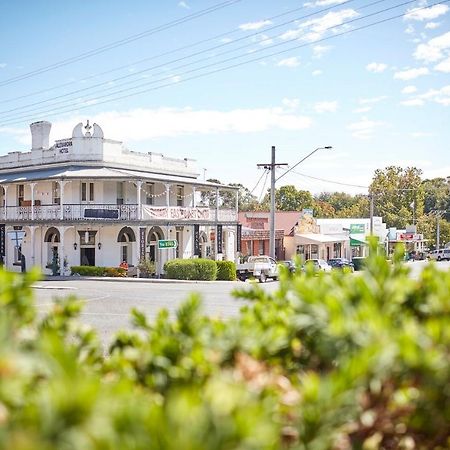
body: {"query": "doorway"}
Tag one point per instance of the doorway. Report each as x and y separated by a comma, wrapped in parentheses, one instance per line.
(87, 256)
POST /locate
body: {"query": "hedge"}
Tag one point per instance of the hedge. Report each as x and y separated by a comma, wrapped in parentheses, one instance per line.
(324, 362)
(226, 270)
(93, 271)
(191, 269)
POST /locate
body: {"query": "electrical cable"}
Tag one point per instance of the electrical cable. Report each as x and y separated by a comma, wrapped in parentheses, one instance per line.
(218, 36)
(140, 72)
(264, 186)
(118, 43)
(94, 102)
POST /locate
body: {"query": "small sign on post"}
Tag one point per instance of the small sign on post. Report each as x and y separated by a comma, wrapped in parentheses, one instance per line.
(167, 243)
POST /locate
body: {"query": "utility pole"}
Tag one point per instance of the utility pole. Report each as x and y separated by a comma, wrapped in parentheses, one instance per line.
(271, 166)
(371, 213)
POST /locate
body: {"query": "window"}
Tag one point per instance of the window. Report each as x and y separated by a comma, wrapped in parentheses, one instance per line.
(87, 192)
(124, 253)
(120, 189)
(56, 196)
(149, 190)
(180, 195)
(261, 247)
(20, 194)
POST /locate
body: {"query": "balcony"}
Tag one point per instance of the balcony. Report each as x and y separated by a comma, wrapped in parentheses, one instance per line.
(114, 213)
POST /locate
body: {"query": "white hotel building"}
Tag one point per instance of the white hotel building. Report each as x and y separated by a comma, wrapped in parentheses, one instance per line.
(91, 201)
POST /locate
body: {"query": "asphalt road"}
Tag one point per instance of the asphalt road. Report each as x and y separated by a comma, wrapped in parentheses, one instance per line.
(108, 303)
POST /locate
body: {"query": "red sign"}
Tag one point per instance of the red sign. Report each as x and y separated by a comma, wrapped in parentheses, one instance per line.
(406, 236)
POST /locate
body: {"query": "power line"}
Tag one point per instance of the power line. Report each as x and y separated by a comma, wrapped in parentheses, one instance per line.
(257, 183)
(137, 73)
(330, 181)
(222, 69)
(119, 43)
(217, 36)
(264, 186)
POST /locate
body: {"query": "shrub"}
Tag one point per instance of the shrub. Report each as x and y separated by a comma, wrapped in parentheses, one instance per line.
(87, 271)
(146, 268)
(325, 362)
(191, 269)
(93, 271)
(114, 272)
(226, 270)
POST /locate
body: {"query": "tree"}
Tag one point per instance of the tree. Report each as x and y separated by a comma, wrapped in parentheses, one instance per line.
(288, 198)
(338, 200)
(398, 195)
(437, 194)
(360, 208)
(323, 209)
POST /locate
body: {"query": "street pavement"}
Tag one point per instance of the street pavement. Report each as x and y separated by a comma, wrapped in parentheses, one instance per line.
(108, 302)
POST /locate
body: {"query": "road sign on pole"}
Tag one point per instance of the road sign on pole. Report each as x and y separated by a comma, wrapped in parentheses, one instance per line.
(167, 243)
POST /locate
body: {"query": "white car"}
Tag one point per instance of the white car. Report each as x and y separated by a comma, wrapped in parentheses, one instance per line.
(442, 254)
(319, 264)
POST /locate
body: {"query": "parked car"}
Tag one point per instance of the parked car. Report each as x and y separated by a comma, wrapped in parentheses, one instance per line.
(341, 263)
(320, 265)
(260, 267)
(358, 262)
(442, 254)
(290, 265)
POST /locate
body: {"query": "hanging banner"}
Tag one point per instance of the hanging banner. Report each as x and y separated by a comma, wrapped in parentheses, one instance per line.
(219, 238)
(2, 239)
(142, 243)
(196, 240)
(238, 237)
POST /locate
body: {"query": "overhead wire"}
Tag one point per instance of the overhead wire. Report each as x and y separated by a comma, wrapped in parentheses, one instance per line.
(221, 69)
(118, 43)
(264, 186)
(203, 41)
(209, 49)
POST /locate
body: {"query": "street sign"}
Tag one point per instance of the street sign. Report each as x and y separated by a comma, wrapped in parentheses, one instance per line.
(167, 243)
(16, 236)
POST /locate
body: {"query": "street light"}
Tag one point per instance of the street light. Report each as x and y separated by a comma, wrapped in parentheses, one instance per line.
(273, 180)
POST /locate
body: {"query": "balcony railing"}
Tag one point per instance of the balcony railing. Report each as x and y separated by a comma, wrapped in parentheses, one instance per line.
(78, 212)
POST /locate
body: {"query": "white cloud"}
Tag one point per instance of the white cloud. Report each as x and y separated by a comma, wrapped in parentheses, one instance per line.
(432, 25)
(289, 62)
(366, 101)
(146, 124)
(2, 65)
(421, 14)
(226, 40)
(265, 40)
(291, 103)
(184, 5)
(413, 102)
(254, 25)
(321, 107)
(317, 72)
(314, 29)
(436, 48)
(362, 110)
(443, 66)
(376, 67)
(421, 134)
(409, 29)
(320, 50)
(364, 129)
(409, 90)
(410, 74)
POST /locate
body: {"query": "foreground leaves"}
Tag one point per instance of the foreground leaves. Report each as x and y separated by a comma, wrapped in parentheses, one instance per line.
(327, 362)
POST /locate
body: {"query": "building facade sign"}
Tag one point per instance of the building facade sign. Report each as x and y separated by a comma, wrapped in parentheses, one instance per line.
(2, 239)
(197, 240)
(142, 243)
(239, 238)
(357, 228)
(167, 243)
(219, 239)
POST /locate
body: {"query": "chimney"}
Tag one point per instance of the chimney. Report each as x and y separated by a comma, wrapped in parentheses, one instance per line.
(40, 133)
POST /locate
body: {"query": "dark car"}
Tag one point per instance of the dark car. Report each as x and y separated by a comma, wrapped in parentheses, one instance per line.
(341, 263)
(289, 264)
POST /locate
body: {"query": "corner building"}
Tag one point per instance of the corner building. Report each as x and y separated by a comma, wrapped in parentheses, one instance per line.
(88, 200)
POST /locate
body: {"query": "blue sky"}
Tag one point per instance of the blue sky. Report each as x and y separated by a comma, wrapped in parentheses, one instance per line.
(379, 95)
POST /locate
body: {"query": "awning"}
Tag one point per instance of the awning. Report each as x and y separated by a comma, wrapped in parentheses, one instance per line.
(317, 238)
(356, 242)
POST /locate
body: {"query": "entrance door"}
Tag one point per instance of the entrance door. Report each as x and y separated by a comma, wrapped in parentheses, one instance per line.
(87, 256)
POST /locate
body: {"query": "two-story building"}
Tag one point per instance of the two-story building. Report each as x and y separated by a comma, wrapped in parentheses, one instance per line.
(88, 200)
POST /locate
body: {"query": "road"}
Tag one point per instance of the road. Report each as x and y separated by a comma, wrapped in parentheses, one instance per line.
(108, 303)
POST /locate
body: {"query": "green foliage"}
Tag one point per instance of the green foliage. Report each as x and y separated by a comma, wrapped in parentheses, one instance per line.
(146, 267)
(325, 362)
(93, 271)
(226, 270)
(191, 269)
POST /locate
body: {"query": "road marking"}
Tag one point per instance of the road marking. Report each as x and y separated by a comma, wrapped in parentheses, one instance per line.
(61, 288)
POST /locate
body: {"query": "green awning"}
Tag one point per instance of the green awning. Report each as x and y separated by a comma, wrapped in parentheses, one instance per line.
(356, 242)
